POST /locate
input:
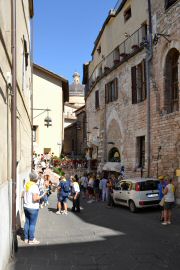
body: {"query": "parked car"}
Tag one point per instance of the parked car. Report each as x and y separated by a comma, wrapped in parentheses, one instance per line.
(136, 193)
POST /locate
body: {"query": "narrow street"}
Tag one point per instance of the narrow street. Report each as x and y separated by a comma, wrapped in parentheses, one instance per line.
(101, 239)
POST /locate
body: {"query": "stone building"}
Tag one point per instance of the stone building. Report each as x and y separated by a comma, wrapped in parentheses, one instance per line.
(15, 115)
(132, 94)
(165, 94)
(76, 100)
(50, 92)
(75, 136)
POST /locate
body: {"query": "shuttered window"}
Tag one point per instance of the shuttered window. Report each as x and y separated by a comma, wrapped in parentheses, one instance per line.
(111, 91)
(138, 79)
(97, 99)
(171, 95)
(141, 151)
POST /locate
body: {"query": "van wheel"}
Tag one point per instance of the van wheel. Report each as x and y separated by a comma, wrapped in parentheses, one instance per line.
(132, 207)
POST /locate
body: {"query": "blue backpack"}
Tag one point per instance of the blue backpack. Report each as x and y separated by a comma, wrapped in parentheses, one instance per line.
(65, 186)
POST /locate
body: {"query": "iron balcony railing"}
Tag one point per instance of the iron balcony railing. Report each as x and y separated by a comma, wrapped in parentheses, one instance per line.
(132, 45)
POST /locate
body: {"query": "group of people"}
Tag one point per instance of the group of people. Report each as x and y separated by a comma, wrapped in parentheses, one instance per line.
(167, 197)
(92, 187)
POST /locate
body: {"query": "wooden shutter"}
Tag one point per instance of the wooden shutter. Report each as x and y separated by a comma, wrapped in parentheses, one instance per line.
(134, 88)
(116, 88)
(144, 90)
(97, 99)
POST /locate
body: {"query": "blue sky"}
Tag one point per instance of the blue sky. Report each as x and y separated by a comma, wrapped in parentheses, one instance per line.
(65, 31)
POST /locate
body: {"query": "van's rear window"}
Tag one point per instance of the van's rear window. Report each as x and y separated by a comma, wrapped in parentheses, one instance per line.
(148, 185)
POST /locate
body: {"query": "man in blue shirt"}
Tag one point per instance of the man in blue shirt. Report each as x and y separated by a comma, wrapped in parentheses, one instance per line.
(63, 194)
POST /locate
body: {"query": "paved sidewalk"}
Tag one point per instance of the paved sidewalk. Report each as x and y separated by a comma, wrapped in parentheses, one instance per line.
(101, 239)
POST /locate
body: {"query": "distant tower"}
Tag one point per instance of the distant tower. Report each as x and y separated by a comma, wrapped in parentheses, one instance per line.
(76, 77)
(76, 99)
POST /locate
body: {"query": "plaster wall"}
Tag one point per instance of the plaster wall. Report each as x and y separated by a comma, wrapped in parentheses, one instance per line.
(48, 94)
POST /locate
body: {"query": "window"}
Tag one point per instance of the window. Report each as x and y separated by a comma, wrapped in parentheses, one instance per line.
(127, 14)
(35, 133)
(141, 151)
(168, 3)
(25, 64)
(111, 91)
(171, 98)
(97, 99)
(26, 54)
(138, 78)
(99, 49)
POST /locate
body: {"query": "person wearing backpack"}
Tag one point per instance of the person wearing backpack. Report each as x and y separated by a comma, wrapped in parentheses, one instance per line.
(63, 193)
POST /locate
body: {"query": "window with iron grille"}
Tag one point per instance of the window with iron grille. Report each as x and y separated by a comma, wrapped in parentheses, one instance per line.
(138, 79)
(169, 3)
(111, 91)
(171, 98)
(141, 151)
(97, 99)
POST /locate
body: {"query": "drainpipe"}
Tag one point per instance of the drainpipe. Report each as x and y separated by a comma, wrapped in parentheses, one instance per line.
(148, 75)
(14, 126)
(31, 59)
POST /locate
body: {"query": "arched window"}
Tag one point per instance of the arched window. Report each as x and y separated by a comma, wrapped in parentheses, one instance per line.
(114, 155)
(171, 101)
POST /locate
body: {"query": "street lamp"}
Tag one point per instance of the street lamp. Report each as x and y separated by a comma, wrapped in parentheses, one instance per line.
(47, 120)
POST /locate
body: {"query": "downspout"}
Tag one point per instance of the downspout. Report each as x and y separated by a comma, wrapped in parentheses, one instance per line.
(31, 59)
(148, 75)
(14, 126)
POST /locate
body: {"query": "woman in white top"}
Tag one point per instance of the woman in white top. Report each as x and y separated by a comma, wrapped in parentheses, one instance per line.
(76, 195)
(168, 202)
(31, 208)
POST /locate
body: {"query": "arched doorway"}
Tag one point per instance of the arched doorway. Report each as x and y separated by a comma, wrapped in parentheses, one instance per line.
(114, 155)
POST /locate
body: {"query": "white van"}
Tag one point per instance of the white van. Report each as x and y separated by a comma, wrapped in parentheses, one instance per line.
(137, 193)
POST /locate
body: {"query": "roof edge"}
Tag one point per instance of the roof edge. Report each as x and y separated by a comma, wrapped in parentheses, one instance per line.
(65, 83)
(110, 15)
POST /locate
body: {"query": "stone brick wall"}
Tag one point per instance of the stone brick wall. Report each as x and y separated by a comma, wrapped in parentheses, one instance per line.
(122, 122)
(165, 127)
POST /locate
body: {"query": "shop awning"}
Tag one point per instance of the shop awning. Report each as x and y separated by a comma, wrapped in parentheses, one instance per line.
(112, 166)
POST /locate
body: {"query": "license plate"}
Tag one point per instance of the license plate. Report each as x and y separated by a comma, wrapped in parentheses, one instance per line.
(152, 195)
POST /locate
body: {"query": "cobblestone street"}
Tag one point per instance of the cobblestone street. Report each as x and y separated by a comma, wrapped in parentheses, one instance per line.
(101, 239)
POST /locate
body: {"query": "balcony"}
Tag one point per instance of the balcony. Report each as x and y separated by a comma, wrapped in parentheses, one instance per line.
(132, 45)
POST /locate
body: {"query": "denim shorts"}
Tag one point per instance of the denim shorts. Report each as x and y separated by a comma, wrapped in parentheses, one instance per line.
(63, 199)
(168, 205)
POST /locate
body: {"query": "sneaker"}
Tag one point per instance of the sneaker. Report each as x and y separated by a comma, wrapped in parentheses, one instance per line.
(164, 223)
(34, 242)
(58, 213)
(26, 241)
(169, 222)
(62, 212)
(65, 213)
